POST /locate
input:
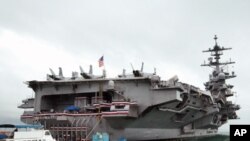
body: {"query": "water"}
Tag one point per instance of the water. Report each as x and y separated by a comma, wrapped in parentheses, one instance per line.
(213, 138)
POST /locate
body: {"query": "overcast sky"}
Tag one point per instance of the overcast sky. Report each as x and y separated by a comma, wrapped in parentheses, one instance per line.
(166, 34)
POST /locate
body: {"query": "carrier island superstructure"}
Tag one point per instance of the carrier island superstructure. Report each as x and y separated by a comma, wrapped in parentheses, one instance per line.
(136, 106)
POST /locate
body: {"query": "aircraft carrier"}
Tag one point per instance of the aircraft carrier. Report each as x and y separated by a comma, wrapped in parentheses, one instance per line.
(136, 106)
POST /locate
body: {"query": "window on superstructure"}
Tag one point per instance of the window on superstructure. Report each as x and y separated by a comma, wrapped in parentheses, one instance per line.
(120, 106)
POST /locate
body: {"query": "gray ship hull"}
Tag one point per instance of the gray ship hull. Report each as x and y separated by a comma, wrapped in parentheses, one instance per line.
(138, 107)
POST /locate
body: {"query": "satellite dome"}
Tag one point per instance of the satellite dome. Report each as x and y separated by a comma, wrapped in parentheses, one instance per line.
(221, 76)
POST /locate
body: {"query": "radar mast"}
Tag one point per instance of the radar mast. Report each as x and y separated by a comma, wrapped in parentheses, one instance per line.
(217, 83)
(214, 60)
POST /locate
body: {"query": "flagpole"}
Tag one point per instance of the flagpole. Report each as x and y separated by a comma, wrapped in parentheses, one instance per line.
(101, 64)
(104, 70)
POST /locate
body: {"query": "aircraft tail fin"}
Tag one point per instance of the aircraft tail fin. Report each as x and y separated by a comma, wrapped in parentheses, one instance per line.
(60, 72)
(90, 69)
(52, 72)
(142, 65)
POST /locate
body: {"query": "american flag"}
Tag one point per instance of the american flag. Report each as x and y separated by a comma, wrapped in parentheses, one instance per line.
(101, 62)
